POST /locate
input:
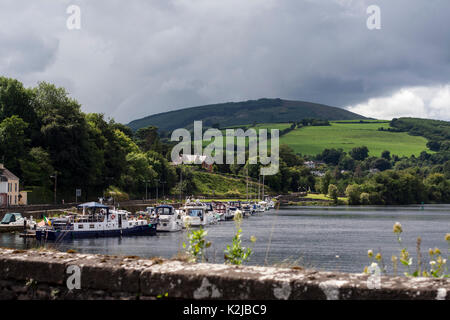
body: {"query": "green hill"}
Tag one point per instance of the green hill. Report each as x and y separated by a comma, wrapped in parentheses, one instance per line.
(241, 113)
(347, 135)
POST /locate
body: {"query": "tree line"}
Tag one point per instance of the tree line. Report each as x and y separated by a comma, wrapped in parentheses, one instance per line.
(44, 133)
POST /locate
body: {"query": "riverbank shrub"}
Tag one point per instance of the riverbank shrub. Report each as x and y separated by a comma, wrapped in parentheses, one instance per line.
(436, 268)
(197, 245)
(333, 193)
(235, 253)
(353, 193)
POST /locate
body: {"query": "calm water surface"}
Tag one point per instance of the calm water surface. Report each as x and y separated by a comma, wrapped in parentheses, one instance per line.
(327, 238)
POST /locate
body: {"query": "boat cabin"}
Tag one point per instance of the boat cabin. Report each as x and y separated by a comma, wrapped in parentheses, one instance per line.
(164, 210)
(195, 212)
(11, 217)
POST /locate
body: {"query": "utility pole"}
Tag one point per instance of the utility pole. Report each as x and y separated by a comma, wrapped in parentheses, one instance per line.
(56, 181)
(263, 189)
(146, 193)
(157, 182)
(163, 182)
(247, 183)
(259, 186)
(181, 183)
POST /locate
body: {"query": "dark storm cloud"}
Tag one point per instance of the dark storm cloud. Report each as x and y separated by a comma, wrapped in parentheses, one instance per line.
(132, 59)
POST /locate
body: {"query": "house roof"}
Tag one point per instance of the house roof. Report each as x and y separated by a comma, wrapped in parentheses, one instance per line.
(92, 205)
(190, 158)
(8, 174)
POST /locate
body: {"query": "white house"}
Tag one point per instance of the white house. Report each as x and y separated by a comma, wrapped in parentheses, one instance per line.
(9, 188)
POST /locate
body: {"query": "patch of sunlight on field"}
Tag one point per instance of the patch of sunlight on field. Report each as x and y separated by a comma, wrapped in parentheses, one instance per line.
(317, 196)
(313, 140)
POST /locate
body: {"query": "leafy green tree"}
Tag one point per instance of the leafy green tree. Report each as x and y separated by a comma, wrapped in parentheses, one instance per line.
(324, 183)
(333, 193)
(347, 163)
(138, 171)
(353, 193)
(16, 100)
(13, 142)
(386, 155)
(438, 188)
(64, 134)
(148, 139)
(289, 157)
(331, 156)
(364, 198)
(359, 153)
(37, 168)
(381, 164)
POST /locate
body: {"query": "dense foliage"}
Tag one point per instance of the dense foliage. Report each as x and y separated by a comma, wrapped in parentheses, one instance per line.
(43, 131)
(387, 179)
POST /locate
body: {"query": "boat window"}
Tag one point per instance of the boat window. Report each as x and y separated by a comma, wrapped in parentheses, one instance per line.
(164, 211)
(91, 226)
(196, 212)
(8, 218)
(80, 226)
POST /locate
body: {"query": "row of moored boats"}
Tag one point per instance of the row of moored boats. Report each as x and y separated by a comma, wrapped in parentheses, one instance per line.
(94, 219)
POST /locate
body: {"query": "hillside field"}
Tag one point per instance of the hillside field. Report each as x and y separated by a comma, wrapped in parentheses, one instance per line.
(211, 184)
(347, 135)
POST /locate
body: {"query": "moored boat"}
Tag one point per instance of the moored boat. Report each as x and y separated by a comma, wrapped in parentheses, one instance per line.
(16, 219)
(194, 214)
(169, 219)
(97, 220)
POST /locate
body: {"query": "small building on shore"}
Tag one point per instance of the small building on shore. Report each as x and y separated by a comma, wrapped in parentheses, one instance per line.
(193, 159)
(9, 188)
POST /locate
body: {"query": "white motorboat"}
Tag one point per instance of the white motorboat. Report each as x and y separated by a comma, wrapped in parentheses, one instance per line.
(246, 210)
(16, 219)
(169, 219)
(194, 214)
(231, 212)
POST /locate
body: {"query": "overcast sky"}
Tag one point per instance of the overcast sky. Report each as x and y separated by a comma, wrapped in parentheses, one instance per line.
(134, 58)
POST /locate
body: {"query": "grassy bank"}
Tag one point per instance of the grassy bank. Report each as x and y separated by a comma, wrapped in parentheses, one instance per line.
(218, 185)
(312, 140)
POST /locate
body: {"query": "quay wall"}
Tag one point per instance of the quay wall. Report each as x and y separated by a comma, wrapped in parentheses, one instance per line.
(43, 274)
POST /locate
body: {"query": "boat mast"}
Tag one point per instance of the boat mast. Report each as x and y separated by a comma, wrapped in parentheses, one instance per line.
(263, 189)
(247, 183)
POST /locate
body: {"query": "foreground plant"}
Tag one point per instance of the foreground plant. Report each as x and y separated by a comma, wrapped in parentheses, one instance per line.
(438, 264)
(237, 254)
(197, 245)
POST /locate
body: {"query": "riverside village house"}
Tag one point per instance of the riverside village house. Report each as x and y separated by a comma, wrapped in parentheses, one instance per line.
(9, 189)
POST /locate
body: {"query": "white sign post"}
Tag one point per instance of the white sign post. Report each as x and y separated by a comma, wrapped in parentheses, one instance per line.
(77, 194)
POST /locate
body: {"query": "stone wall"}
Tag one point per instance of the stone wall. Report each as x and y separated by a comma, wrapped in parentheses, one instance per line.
(37, 274)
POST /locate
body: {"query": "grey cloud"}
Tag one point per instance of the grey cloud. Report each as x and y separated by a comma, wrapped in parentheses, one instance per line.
(133, 59)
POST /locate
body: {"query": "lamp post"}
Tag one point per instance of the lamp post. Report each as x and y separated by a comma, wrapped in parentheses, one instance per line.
(146, 193)
(55, 176)
(163, 183)
(157, 181)
(181, 183)
(263, 189)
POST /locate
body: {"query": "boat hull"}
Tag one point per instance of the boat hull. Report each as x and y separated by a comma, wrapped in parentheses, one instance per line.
(169, 227)
(61, 235)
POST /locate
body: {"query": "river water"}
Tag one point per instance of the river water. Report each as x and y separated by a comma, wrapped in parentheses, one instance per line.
(325, 238)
